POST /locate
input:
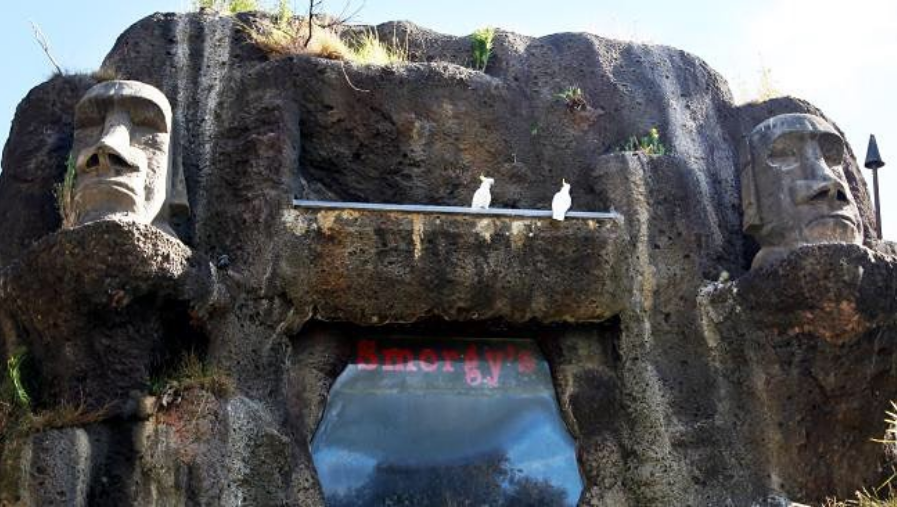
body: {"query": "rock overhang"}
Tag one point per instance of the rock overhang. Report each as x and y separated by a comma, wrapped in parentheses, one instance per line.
(380, 266)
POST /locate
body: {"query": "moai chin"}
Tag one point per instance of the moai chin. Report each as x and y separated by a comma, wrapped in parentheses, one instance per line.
(793, 190)
(121, 154)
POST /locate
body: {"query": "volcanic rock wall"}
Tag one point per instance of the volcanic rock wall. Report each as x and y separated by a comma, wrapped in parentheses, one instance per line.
(679, 390)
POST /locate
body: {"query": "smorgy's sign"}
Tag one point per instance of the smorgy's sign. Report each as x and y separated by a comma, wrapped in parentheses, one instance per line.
(478, 363)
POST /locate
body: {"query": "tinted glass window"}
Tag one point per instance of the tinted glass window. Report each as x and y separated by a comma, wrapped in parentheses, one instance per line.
(461, 422)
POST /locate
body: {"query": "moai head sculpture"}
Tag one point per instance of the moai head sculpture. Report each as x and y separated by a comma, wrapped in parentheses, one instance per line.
(121, 154)
(793, 190)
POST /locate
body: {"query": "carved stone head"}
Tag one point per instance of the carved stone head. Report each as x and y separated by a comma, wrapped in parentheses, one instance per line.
(121, 153)
(793, 190)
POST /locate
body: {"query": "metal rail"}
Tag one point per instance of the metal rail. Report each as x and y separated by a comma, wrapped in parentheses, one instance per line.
(454, 210)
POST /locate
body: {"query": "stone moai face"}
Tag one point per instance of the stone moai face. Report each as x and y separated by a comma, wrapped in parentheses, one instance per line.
(121, 154)
(793, 191)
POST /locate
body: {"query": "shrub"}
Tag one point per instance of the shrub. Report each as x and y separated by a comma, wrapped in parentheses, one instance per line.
(481, 44)
(649, 144)
(574, 98)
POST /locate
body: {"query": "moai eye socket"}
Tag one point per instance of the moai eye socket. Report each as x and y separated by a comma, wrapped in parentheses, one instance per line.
(783, 153)
(145, 114)
(832, 149)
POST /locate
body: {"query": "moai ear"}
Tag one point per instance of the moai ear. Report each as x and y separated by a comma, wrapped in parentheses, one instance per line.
(750, 208)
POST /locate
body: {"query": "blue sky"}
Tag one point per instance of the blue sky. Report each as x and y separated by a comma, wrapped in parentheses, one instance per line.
(841, 56)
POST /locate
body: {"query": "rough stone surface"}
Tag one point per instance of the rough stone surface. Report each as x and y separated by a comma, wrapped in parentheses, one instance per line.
(337, 262)
(100, 306)
(809, 336)
(688, 392)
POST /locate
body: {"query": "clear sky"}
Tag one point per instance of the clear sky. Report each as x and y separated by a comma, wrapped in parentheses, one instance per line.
(840, 55)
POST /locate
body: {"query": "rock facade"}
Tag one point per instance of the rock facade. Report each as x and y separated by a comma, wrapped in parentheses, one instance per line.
(679, 387)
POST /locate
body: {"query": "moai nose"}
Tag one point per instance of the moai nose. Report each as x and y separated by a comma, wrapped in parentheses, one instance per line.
(822, 183)
(107, 156)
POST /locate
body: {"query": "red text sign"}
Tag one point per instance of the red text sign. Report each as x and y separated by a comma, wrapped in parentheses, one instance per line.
(480, 363)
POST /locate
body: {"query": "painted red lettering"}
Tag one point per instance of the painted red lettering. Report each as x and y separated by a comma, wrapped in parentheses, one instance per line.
(472, 367)
(512, 352)
(428, 360)
(367, 355)
(398, 360)
(496, 359)
(526, 363)
(449, 356)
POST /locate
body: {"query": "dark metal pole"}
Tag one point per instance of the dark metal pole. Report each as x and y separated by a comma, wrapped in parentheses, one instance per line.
(877, 202)
(874, 162)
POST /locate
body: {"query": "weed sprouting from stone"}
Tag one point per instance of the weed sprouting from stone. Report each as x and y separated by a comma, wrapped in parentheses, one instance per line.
(481, 44)
(649, 144)
(574, 98)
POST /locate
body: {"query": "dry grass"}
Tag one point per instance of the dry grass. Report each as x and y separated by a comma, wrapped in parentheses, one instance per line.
(190, 374)
(285, 37)
(288, 37)
(368, 49)
(885, 494)
(863, 499)
(105, 74)
(65, 416)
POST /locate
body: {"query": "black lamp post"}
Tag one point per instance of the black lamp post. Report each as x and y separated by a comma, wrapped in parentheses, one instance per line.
(874, 162)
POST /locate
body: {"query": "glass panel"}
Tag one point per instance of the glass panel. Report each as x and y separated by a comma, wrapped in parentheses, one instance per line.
(450, 423)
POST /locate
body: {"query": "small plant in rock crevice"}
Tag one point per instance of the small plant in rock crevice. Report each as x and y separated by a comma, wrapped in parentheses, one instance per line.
(885, 494)
(649, 144)
(65, 194)
(574, 98)
(481, 45)
(14, 374)
(19, 418)
(191, 373)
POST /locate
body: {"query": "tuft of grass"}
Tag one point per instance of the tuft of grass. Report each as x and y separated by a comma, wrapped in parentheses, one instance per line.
(766, 88)
(105, 74)
(370, 50)
(14, 376)
(862, 498)
(227, 6)
(885, 494)
(574, 98)
(285, 38)
(65, 199)
(649, 144)
(481, 45)
(16, 416)
(65, 416)
(284, 13)
(191, 373)
(281, 38)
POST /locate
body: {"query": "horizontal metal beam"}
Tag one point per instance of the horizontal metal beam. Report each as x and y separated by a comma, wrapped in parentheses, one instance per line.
(453, 210)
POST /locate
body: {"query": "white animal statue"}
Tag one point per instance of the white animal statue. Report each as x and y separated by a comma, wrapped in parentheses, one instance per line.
(482, 197)
(561, 202)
